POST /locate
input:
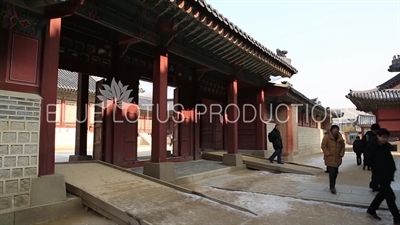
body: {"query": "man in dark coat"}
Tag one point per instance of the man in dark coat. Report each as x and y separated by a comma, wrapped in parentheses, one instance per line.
(275, 138)
(383, 167)
(357, 149)
(369, 136)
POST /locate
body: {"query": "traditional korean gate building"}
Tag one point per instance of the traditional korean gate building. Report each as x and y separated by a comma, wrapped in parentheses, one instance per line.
(186, 44)
(307, 120)
(384, 102)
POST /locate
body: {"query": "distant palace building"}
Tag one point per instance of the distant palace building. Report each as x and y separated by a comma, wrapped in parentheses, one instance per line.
(383, 101)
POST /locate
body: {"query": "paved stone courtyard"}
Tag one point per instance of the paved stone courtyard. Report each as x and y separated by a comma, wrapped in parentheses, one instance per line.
(279, 198)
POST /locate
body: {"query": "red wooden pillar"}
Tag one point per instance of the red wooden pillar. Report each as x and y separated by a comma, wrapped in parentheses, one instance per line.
(159, 112)
(49, 93)
(62, 113)
(81, 115)
(261, 116)
(232, 117)
(289, 131)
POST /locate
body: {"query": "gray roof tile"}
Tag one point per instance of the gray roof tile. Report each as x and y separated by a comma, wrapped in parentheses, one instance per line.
(386, 95)
(389, 83)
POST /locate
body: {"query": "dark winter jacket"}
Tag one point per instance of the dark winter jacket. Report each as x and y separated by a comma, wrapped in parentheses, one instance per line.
(275, 137)
(366, 139)
(357, 146)
(381, 161)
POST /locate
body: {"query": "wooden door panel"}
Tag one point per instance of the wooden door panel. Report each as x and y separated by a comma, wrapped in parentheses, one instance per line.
(130, 113)
(212, 135)
(98, 125)
(186, 129)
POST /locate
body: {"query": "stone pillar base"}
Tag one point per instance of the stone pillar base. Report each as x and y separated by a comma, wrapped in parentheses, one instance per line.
(232, 159)
(75, 158)
(163, 171)
(48, 189)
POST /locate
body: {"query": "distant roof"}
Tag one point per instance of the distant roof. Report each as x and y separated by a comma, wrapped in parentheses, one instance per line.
(348, 114)
(68, 82)
(386, 95)
(383, 92)
(389, 83)
(363, 120)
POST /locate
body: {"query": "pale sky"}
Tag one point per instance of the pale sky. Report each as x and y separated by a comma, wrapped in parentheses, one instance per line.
(335, 45)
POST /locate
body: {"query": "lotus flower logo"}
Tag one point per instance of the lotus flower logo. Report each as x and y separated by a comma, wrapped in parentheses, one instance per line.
(115, 92)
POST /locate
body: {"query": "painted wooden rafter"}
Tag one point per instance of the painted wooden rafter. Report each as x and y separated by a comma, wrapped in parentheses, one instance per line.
(225, 44)
(219, 38)
(238, 59)
(254, 65)
(230, 49)
(234, 52)
(235, 56)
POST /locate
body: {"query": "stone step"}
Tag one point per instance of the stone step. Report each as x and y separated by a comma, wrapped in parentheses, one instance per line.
(259, 163)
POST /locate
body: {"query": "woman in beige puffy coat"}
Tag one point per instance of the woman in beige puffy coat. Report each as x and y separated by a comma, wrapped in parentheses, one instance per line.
(333, 146)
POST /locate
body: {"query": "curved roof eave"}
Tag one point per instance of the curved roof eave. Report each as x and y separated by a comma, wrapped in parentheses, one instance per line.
(242, 34)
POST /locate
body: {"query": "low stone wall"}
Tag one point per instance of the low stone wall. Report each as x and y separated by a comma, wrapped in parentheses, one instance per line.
(309, 140)
(19, 135)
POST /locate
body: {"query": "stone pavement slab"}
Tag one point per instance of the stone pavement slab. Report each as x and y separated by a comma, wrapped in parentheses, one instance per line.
(347, 195)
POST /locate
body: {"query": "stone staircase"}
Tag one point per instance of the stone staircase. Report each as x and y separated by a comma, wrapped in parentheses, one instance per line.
(144, 139)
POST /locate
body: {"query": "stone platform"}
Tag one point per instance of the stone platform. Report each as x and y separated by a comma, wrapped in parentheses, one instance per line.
(260, 163)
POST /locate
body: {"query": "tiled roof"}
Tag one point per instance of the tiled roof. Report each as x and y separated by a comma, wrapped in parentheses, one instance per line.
(386, 95)
(68, 82)
(365, 120)
(389, 83)
(383, 92)
(237, 30)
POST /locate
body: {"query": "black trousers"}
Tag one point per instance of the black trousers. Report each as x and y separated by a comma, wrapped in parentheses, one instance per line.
(386, 192)
(333, 172)
(373, 184)
(358, 158)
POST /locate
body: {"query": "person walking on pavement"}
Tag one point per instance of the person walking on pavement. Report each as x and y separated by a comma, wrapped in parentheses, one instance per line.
(357, 149)
(370, 136)
(333, 147)
(276, 139)
(366, 138)
(383, 167)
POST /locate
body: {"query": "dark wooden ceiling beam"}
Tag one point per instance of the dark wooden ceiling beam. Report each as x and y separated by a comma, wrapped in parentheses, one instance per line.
(131, 40)
(199, 58)
(117, 23)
